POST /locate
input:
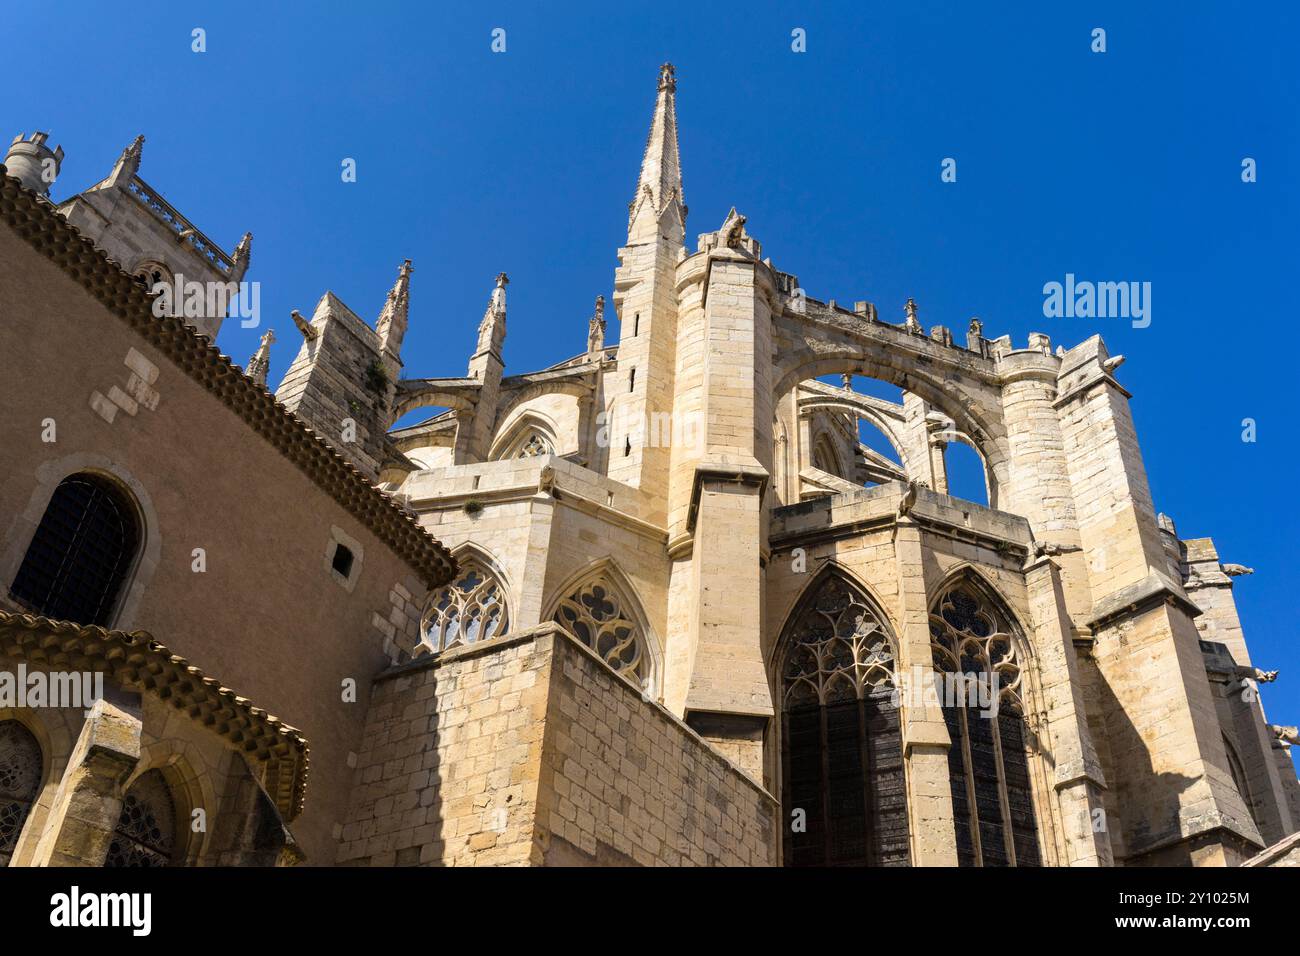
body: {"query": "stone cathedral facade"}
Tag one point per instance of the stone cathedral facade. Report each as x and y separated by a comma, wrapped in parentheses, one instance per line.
(657, 604)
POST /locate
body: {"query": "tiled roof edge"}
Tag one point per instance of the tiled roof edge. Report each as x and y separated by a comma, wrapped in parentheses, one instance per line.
(50, 234)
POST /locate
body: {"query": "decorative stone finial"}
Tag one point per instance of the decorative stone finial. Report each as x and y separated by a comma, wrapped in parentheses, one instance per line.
(128, 164)
(242, 257)
(596, 327)
(912, 324)
(260, 363)
(492, 328)
(668, 78)
(391, 324)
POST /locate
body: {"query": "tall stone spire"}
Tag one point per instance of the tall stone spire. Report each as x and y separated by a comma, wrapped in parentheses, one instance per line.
(260, 363)
(491, 331)
(659, 206)
(391, 324)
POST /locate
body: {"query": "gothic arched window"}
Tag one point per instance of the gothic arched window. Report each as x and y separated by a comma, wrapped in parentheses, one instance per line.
(79, 557)
(602, 617)
(20, 781)
(145, 835)
(471, 608)
(824, 457)
(150, 274)
(975, 655)
(1238, 771)
(842, 756)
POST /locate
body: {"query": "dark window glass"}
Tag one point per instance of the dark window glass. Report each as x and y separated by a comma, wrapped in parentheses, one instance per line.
(842, 753)
(79, 556)
(20, 781)
(988, 770)
(342, 560)
(145, 835)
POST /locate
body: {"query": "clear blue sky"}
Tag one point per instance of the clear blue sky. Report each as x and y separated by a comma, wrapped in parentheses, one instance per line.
(1117, 166)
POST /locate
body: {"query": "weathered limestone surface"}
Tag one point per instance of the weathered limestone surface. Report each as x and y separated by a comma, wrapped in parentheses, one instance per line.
(644, 530)
(527, 750)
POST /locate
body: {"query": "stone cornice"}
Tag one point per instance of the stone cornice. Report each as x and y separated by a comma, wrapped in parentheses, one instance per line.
(1153, 590)
(135, 661)
(741, 473)
(47, 232)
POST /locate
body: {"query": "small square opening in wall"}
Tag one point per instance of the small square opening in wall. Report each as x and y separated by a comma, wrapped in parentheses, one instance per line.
(343, 558)
(342, 562)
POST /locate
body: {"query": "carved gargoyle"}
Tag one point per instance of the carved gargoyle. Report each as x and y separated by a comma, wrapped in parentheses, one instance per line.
(733, 228)
(1286, 735)
(1051, 549)
(908, 500)
(546, 480)
(1254, 673)
(1236, 570)
(305, 327)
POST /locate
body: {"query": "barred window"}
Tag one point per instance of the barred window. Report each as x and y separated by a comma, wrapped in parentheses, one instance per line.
(145, 835)
(975, 652)
(470, 608)
(842, 756)
(601, 616)
(20, 781)
(80, 554)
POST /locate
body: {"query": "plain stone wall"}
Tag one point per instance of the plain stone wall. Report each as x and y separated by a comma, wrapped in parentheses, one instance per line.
(527, 750)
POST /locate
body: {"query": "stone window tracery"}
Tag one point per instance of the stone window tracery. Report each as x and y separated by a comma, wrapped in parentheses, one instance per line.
(842, 760)
(601, 618)
(974, 650)
(20, 781)
(145, 835)
(534, 446)
(471, 608)
(150, 274)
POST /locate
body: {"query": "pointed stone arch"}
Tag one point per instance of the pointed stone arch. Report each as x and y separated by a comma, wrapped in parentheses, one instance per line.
(961, 384)
(600, 607)
(840, 728)
(24, 765)
(152, 827)
(988, 692)
(529, 428)
(824, 457)
(176, 759)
